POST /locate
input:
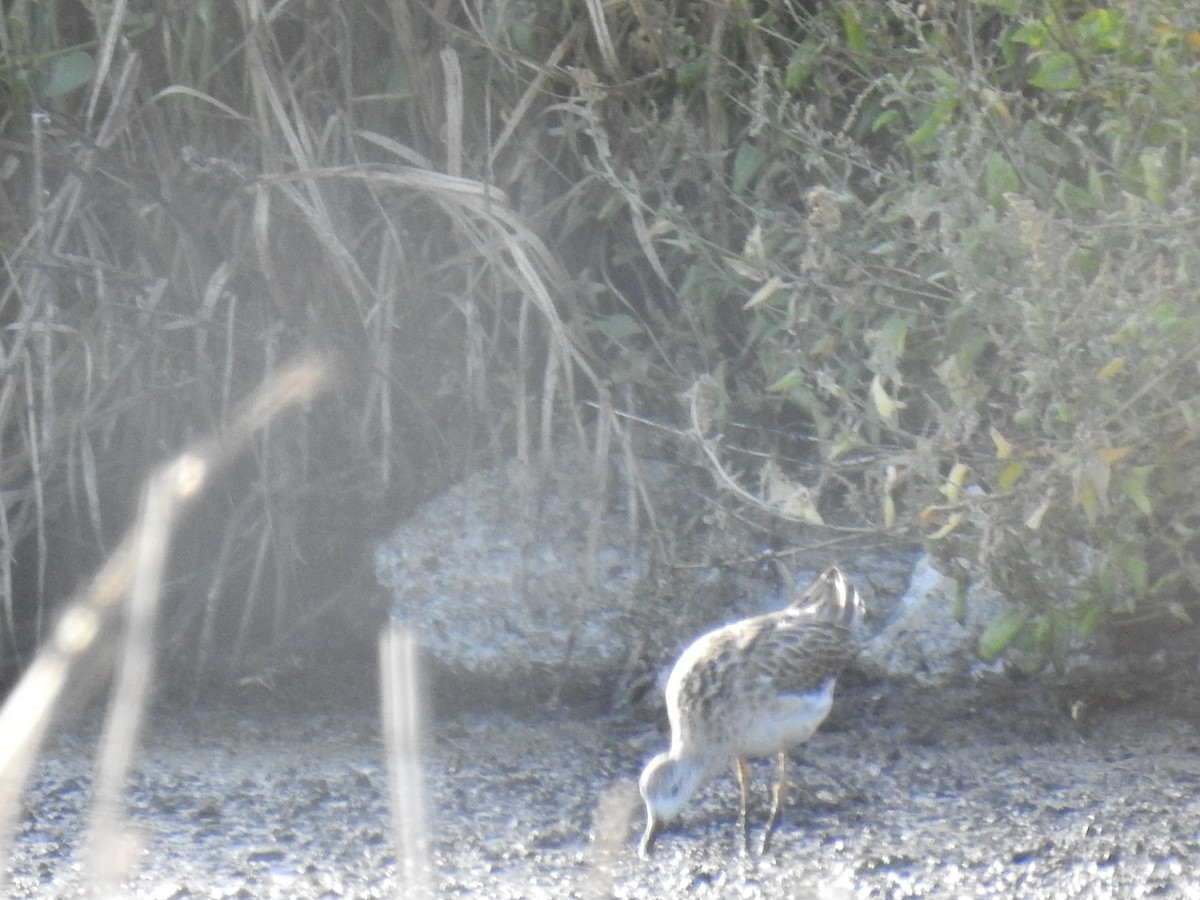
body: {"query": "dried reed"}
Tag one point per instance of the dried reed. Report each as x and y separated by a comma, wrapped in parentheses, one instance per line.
(133, 574)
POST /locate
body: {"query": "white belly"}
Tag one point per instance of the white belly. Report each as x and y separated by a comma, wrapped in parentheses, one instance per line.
(787, 720)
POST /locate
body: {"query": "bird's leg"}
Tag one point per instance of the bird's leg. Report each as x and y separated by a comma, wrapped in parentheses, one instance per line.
(743, 777)
(777, 798)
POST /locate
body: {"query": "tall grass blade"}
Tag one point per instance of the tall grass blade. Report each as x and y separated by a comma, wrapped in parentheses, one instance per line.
(403, 727)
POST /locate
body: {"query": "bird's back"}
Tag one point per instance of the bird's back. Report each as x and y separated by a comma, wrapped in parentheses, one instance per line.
(729, 679)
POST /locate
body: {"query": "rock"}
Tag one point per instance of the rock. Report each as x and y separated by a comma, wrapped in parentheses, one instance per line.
(516, 588)
(922, 639)
(521, 590)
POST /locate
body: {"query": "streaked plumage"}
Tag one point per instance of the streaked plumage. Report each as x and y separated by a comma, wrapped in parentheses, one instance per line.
(754, 688)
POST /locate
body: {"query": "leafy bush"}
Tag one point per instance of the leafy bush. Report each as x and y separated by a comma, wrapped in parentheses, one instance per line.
(918, 269)
(939, 267)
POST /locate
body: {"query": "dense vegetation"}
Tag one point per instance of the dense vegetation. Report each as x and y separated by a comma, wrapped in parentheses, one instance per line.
(926, 269)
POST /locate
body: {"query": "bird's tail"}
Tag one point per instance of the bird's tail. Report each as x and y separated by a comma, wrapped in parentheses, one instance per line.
(831, 598)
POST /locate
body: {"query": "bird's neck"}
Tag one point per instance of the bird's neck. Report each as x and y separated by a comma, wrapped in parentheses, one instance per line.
(695, 769)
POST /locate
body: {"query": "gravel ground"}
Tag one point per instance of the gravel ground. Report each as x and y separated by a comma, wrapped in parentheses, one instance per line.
(968, 792)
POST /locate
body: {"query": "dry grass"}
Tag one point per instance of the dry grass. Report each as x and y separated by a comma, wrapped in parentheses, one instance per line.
(404, 712)
(120, 606)
(235, 184)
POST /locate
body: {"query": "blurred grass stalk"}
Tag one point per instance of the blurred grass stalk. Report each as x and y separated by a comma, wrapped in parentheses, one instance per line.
(403, 727)
(135, 568)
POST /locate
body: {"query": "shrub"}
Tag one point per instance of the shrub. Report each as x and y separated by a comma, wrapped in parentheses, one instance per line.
(917, 269)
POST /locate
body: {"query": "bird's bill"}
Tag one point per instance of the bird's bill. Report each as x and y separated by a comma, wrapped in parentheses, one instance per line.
(653, 829)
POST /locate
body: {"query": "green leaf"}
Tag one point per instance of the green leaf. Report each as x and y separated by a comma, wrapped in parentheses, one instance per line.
(999, 177)
(1011, 474)
(856, 34)
(895, 329)
(1053, 635)
(800, 64)
(937, 118)
(523, 36)
(1043, 636)
(68, 72)
(1059, 72)
(959, 604)
(1087, 500)
(1074, 198)
(1102, 28)
(690, 73)
(1166, 315)
(887, 117)
(1134, 565)
(1133, 484)
(1090, 616)
(1024, 417)
(746, 163)
(806, 400)
(1033, 35)
(1000, 633)
(788, 382)
(1151, 162)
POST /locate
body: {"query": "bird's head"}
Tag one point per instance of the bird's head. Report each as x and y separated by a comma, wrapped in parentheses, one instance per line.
(832, 598)
(667, 783)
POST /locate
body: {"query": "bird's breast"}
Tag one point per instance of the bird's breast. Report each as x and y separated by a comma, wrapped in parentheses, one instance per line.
(783, 721)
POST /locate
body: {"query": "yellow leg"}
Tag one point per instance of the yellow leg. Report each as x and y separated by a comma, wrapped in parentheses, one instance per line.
(743, 777)
(777, 800)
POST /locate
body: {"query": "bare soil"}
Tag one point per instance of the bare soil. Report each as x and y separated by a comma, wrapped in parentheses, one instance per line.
(998, 790)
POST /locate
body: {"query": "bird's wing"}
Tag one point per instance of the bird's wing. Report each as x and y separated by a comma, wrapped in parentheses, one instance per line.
(800, 654)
